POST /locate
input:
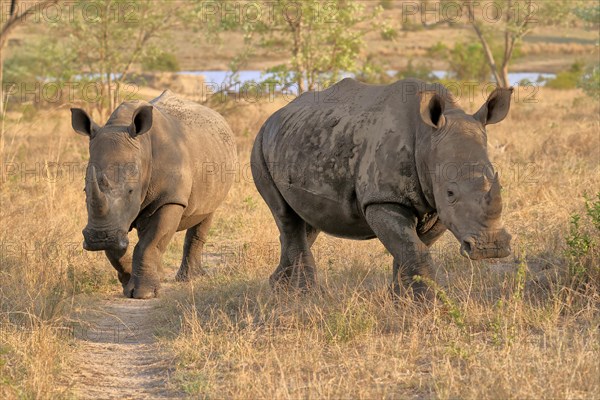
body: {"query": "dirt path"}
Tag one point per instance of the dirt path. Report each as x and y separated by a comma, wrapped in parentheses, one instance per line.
(117, 355)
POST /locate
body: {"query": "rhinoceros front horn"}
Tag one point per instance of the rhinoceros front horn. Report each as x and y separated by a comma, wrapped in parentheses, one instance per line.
(493, 198)
(98, 201)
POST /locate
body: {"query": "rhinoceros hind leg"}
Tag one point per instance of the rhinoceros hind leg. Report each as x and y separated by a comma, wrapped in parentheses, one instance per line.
(296, 266)
(311, 234)
(191, 263)
(296, 270)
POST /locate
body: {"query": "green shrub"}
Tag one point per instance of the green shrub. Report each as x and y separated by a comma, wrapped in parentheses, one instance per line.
(590, 81)
(386, 4)
(411, 25)
(160, 62)
(590, 14)
(437, 50)
(419, 71)
(389, 33)
(582, 244)
(467, 62)
(372, 71)
(46, 60)
(344, 326)
(567, 79)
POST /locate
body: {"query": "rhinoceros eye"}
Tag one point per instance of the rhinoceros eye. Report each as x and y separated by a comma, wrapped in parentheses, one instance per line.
(451, 196)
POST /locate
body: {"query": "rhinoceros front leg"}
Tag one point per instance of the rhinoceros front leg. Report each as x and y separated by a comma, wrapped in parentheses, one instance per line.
(433, 234)
(154, 236)
(191, 263)
(396, 229)
(121, 260)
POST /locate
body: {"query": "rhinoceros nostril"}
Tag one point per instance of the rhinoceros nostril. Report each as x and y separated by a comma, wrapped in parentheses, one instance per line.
(467, 246)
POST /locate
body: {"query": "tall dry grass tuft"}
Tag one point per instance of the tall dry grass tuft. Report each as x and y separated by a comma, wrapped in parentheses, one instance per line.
(42, 264)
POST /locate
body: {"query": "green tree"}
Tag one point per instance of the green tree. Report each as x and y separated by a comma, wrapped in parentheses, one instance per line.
(12, 14)
(516, 21)
(589, 13)
(566, 13)
(323, 38)
(114, 36)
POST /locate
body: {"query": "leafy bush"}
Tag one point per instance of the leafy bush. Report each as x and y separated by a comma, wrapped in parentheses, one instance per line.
(419, 71)
(582, 244)
(567, 79)
(372, 71)
(467, 61)
(389, 33)
(590, 81)
(45, 60)
(590, 14)
(160, 61)
(411, 25)
(344, 326)
(386, 4)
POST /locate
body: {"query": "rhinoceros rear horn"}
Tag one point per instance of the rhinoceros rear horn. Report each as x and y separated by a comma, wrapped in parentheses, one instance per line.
(432, 109)
(141, 121)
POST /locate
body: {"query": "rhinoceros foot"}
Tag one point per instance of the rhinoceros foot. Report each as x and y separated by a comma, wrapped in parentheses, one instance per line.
(182, 277)
(416, 291)
(186, 274)
(124, 278)
(301, 277)
(142, 288)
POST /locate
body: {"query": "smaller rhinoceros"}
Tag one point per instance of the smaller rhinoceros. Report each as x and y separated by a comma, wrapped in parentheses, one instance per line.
(154, 167)
(401, 162)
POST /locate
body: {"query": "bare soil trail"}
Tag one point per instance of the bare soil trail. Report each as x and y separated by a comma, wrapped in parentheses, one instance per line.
(117, 355)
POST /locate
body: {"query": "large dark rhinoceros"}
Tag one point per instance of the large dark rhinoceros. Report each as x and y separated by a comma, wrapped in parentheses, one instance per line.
(400, 162)
(154, 167)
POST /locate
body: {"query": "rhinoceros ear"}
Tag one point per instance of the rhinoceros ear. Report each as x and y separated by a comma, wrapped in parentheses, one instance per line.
(141, 121)
(82, 123)
(432, 109)
(496, 107)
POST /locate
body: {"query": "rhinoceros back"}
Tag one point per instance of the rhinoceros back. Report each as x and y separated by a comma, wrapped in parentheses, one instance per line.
(198, 141)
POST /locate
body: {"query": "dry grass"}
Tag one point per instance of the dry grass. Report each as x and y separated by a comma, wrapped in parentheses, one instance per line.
(504, 329)
(42, 263)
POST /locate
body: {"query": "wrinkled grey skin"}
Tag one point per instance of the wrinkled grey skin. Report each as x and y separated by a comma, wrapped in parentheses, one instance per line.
(401, 162)
(158, 167)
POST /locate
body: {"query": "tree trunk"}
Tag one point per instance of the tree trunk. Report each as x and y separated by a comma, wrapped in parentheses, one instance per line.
(1, 80)
(297, 51)
(505, 80)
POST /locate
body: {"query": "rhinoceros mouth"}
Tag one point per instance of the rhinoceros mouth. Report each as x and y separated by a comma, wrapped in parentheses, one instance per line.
(97, 240)
(476, 250)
